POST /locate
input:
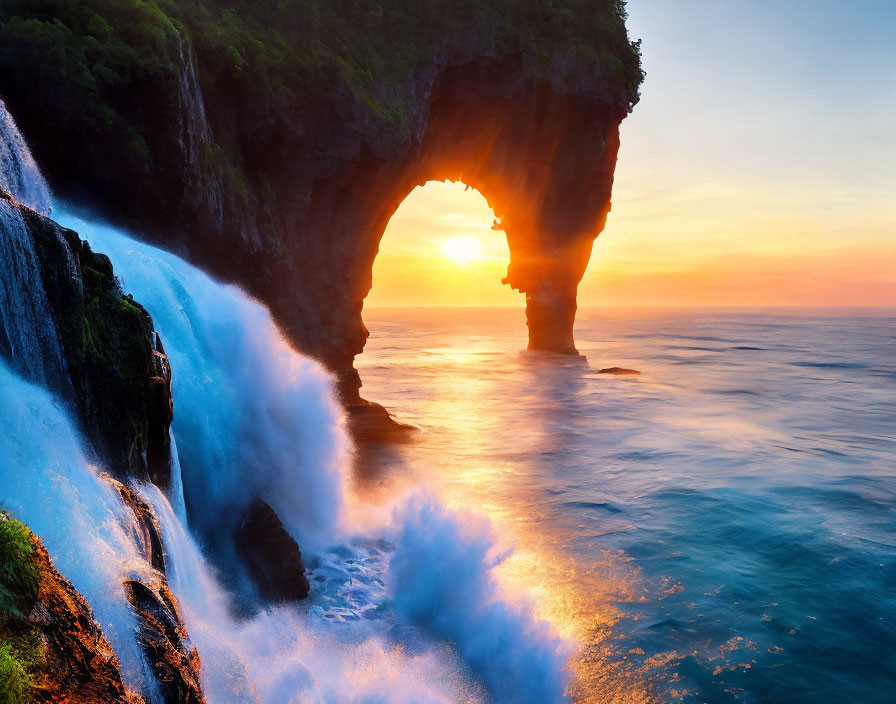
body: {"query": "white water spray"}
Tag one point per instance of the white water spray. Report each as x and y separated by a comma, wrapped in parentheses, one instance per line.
(46, 482)
(19, 175)
(254, 417)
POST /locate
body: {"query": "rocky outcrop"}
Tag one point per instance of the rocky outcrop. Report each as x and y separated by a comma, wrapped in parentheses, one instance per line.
(272, 556)
(51, 648)
(144, 526)
(81, 666)
(95, 345)
(302, 168)
(618, 371)
(173, 659)
(163, 634)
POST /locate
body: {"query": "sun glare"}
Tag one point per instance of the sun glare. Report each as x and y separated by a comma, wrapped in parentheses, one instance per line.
(462, 250)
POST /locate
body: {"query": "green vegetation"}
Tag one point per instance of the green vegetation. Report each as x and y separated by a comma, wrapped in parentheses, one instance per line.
(21, 653)
(15, 683)
(97, 85)
(89, 58)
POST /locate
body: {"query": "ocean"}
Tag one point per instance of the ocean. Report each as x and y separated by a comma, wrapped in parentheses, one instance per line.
(718, 528)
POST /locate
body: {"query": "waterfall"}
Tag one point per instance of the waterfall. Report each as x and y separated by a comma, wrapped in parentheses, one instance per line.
(19, 175)
(27, 332)
(405, 610)
(252, 417)
(46, 481)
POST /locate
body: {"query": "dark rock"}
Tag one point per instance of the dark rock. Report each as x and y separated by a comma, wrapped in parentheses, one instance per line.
(272, 556)
(370, 422)
(619, 371)
(145, 526)
(114, 371)
(163, 634)
(173, 659)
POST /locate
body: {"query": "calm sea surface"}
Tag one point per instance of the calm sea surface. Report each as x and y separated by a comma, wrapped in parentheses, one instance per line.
(719, 528)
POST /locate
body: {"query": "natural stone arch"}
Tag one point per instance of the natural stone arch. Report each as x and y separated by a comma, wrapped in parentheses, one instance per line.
(544, 161)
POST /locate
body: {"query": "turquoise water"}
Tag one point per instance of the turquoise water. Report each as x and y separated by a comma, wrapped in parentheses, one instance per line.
(733, 506)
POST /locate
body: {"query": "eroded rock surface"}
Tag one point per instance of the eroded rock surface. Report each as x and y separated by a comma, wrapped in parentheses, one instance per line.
(173, 658)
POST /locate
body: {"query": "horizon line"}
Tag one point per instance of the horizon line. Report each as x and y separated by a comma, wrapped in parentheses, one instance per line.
(648, 306)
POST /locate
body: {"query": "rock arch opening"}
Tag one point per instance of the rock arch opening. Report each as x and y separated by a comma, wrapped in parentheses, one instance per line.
(541, 151)
(443, 247)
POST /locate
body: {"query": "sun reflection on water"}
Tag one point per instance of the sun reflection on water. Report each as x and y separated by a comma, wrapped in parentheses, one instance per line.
(474, 462)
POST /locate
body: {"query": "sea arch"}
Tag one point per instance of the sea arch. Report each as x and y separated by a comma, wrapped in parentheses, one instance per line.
(543, 160)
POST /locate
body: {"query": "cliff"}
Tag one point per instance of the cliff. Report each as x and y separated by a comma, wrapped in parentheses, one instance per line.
(271, 142)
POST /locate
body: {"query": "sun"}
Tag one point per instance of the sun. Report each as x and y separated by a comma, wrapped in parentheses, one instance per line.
(462, 249)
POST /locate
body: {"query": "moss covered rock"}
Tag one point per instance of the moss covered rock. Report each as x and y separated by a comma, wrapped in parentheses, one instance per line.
(117, 379)
(51, 648)
(21, 654)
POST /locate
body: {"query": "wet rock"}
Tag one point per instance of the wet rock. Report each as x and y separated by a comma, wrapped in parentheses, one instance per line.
(370, 422)
(144, 526)
(163, 634)
(173, 659)
(113, 370)
(80, 666)
(272, 556)
(618, 371)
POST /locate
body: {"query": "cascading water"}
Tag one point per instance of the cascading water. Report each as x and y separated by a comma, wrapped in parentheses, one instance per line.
(19, 175)
(27, 333)
(45, 478)
(252, 417)
(405, 611)
(45, 481)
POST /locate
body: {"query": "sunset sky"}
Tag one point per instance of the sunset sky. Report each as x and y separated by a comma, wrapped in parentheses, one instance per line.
(758, 169)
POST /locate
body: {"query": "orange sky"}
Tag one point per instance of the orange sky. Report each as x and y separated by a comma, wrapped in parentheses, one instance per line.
(682, 248)
(765, 176)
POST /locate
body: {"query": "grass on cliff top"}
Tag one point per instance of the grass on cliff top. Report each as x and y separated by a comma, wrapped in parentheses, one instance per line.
(20, 647)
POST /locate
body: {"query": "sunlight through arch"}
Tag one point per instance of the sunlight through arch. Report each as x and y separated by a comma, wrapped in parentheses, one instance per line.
(440, 249)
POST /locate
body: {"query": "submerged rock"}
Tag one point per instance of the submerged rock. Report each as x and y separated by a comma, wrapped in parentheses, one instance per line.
(370, 422)
(272, 556)
(619, 371)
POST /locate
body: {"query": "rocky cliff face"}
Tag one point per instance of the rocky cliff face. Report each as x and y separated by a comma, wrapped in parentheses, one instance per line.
(286, 189)
(65, 323)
